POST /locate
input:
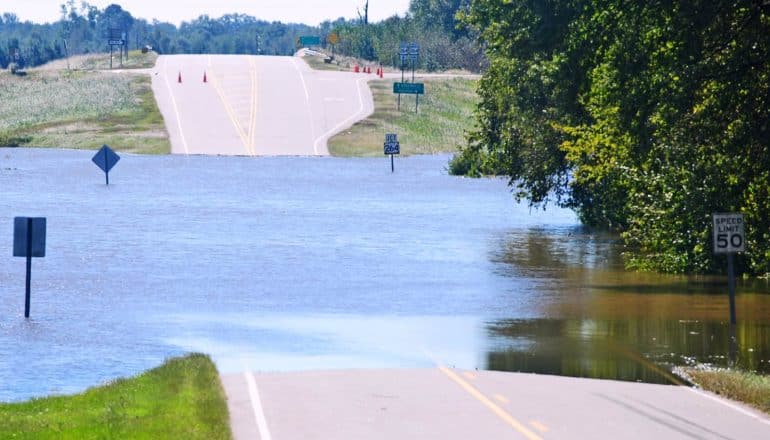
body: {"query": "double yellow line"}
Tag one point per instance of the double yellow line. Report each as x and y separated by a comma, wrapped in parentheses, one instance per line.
(248, 137)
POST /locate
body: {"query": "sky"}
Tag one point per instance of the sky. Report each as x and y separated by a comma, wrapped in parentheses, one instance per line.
(287, 11)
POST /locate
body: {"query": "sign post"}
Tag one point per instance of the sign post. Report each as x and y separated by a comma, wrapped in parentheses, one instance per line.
(730, 239)
(411, 52)
(105, 159)
(392, 147)
(28, 241)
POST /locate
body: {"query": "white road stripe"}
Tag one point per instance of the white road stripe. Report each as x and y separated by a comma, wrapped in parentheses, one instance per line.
(256, 404)
(176, 108)
(346, 121)
(759, 418)
(309, 107)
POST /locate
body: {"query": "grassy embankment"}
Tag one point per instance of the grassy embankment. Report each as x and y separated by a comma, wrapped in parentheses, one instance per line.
(182, 398)
(740, 386)
(52, 106)
(446, 113)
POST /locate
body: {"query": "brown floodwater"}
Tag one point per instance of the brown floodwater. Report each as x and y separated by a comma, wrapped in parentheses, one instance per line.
(596, 319)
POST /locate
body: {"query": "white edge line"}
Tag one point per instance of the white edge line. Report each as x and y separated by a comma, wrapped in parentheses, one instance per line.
(307, 99)
(176, 108)
(347, 121)
(743, 411)
(256, 405)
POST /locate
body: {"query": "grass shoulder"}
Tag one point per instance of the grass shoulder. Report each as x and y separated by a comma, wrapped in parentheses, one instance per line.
(183, 398)
(445, 114)
(750, 388)
(83, 109)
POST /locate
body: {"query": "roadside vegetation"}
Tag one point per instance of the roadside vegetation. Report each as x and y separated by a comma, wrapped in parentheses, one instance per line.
(445, 114)
(644, 118)
(52, 106)
(749, 388)
(181, 399)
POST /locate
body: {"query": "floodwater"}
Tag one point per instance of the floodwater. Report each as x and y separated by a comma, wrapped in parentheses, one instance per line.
(279, 264)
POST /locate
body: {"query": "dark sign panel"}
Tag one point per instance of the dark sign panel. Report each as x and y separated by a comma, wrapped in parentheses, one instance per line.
(22, 235)
(105, 158)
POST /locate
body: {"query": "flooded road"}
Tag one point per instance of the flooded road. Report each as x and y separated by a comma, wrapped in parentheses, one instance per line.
(279, 264)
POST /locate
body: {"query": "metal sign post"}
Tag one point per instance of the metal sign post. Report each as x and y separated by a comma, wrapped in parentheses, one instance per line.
(105, 159)
(28, 242)
(403, 53)
(392, 147)
(730, 239)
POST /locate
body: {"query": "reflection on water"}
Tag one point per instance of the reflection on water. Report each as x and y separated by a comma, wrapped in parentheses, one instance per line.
(307, 263)
(597, 320)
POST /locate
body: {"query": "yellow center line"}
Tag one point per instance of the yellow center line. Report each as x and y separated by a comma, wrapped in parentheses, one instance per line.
(502, 399)
(230, 112)
(468, 375)
(539, 426)
(492, 406)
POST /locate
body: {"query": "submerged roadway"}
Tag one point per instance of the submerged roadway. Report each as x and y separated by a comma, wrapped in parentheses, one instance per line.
(278, 106)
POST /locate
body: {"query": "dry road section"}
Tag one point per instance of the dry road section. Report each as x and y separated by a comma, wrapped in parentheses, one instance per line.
(448, 404)
(240, 105)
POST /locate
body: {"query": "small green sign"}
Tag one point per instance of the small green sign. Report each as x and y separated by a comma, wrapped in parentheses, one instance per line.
(409, 88)
(308, 41)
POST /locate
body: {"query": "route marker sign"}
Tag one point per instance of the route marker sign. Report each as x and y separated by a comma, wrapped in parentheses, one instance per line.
(729, 238)
(729, 234)
(392, 147)
(105, 159)
(28, 242)
(409, 88)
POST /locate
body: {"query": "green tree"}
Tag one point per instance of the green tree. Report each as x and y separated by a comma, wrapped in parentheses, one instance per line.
(643, 116)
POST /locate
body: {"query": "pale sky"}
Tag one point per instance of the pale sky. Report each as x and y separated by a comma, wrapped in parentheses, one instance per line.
(287, 11)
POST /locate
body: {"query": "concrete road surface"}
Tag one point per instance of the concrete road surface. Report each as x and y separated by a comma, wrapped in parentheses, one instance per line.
(448, 404)
(255, 105)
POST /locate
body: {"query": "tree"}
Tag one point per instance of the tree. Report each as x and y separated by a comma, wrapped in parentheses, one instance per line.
(643, 116)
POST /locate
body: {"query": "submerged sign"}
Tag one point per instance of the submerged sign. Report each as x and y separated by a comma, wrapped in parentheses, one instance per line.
(729, 234)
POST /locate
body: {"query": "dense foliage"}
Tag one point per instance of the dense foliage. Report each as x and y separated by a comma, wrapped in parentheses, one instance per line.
(86, 29)
(444, 42)
(644, 116)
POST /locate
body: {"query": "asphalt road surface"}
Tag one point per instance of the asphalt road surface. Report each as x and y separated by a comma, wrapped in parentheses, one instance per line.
(449, 404)
(239, 105)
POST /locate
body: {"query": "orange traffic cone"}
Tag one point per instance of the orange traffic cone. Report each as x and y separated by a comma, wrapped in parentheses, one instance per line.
(382, 72)
(179, 78)
(205, 79)
(355, 68)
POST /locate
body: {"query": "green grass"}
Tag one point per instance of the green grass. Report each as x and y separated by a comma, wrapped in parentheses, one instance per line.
(182, 399)
(748, 388)
(101, 61)
(50, 107)
(445, 114)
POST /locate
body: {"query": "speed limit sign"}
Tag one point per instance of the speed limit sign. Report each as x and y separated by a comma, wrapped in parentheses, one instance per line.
(729, 234)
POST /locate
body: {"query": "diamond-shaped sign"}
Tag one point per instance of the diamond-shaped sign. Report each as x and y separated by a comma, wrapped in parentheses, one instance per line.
(105, 158)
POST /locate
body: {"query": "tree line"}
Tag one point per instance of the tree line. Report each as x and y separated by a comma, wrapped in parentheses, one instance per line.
(445, 43)
(84, 28)
(643, 116)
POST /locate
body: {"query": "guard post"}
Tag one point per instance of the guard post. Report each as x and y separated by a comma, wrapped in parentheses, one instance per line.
(28, 242)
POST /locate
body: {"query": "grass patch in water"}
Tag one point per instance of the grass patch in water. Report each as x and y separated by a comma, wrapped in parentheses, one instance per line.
(183, 398)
